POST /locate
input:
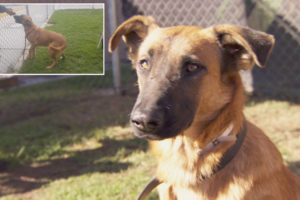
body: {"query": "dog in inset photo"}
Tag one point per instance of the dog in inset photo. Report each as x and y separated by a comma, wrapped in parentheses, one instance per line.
(190, 104)
(9, 11)
(37, 36)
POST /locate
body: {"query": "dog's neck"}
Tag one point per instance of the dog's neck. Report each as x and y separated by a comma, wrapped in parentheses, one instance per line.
(30, 29)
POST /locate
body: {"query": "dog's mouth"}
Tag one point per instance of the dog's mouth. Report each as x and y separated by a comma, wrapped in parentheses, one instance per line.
(148, 136)
(168, 130)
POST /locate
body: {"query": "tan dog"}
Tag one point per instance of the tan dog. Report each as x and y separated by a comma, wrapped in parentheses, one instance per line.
(191, 101)
(55, 42)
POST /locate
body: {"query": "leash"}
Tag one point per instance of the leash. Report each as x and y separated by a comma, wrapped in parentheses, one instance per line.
(226, 158)
(26, 35)
(148, 188)
(24, 48)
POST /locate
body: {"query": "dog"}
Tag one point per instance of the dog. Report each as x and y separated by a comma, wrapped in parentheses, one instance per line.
(55, 42)
(190, 105)
(9, 11)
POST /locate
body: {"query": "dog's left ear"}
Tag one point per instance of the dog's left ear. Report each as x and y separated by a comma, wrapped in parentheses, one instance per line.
(133, 31)
(243, 47)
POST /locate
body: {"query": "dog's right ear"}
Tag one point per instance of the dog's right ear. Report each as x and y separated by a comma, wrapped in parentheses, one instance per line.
(133, 31)
(243, 46)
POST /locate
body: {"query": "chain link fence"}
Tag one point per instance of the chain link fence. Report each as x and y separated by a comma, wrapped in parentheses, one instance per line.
(279, 80)
(12, 41)
(13, 45)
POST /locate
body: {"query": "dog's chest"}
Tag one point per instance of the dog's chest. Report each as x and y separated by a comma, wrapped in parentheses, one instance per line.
(236, 193)
(183, 194)
(174, 166)
(181, 173)
(233, 191)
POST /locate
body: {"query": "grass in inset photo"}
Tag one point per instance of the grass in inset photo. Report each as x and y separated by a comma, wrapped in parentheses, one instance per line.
(82, 29)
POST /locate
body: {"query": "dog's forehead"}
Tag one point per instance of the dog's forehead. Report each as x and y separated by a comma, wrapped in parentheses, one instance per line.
(179, 39)
(25, 17)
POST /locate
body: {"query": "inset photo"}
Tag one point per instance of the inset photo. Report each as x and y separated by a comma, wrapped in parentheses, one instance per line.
(38, 39)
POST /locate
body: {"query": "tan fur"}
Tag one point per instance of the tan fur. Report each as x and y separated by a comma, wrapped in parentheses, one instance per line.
(257, 171)
(55, 42)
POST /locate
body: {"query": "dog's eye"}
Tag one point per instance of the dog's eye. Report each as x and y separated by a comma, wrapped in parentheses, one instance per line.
(144, 64)
(190, 67)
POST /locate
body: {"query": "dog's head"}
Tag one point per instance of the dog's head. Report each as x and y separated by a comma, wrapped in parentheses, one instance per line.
(185, 72)
(25, 20)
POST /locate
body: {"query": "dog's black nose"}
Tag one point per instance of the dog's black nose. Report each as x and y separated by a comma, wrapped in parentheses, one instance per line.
(147, 123)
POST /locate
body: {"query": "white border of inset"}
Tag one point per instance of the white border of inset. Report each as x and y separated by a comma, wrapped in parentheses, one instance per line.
(66, 74)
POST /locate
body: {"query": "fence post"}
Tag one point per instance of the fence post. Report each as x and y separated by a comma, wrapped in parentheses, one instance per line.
(47, 11)
(27, 10)
(115, 56)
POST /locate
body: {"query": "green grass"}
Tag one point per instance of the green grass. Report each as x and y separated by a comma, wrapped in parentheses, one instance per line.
(65, 140)
(81, 29)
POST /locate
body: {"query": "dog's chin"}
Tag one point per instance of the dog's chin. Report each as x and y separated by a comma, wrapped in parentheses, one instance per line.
(160, 134)
(147, 136)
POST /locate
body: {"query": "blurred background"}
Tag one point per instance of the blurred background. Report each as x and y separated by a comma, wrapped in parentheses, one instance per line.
(69, 138)
(280, 18)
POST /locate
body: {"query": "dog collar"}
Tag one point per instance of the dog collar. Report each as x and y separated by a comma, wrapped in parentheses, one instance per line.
(26, 35)
(231, 152)
(224, 137)
(226, 158)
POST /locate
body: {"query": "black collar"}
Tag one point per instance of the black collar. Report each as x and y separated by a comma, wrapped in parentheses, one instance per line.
(233, 150)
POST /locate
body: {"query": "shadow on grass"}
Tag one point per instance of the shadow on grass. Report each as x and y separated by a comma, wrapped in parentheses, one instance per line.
(104, 159)
(46, 119)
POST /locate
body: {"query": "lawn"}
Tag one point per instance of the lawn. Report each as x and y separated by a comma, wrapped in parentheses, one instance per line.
(81, 29)
(74, 142)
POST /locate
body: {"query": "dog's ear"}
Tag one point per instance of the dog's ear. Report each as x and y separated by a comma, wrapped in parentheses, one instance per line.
(27, 21)
(243, 47)
(133, 31)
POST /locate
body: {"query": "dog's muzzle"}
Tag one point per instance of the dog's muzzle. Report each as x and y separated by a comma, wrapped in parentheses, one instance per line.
(18, 19)
(146, 124)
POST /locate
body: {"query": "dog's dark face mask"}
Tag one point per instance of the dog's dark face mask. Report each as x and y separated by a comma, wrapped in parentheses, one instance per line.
(169, 83)
(184, 72)
(18, 19)
(167, 101)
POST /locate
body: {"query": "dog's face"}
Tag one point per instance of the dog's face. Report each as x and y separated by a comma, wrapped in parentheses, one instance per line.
(25, 20)
(184, 72)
